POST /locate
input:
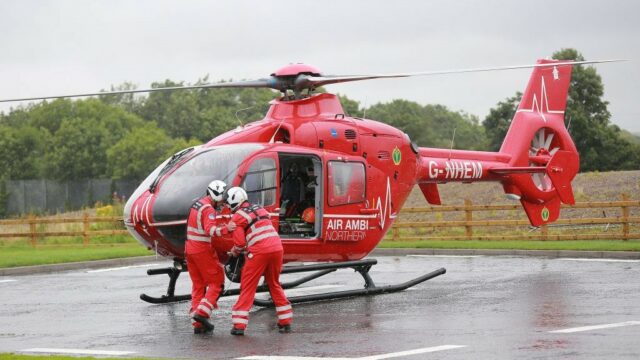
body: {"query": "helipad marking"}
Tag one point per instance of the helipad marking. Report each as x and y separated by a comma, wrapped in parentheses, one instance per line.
(445, 256)
(372, 357)
(78, 351)
(7, 280)
(600, 260)
(595, 327)
(121, 268)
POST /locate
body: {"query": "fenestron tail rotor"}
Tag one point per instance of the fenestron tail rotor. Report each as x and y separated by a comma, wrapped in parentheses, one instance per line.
(540, 153)
(300, 77)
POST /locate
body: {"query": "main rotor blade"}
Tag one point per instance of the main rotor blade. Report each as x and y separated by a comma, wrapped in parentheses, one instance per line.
(260, 83)
(331, 79)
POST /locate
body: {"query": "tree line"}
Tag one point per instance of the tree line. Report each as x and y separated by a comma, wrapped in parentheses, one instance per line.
(125, 136)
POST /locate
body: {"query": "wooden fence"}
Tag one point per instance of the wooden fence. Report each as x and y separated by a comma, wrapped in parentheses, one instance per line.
(86, 233)
(627, 219)
(565, 228)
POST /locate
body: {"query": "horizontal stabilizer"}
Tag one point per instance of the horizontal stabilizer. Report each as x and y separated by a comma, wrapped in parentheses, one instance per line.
(518, 170)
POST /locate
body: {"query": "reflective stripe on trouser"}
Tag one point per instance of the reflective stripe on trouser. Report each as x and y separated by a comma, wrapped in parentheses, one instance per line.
(270, 265)
(207, 278)
(285, 314)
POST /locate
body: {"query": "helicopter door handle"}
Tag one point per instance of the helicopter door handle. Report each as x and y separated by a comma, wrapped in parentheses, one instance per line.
(368, 211)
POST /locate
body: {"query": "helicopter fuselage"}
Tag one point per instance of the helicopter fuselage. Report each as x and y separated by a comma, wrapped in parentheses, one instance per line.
(353, 173)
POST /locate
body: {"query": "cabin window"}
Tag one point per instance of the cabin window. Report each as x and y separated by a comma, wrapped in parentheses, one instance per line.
(346, 182)
(260, 182)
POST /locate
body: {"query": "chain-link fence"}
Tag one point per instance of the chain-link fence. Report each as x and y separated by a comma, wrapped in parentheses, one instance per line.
(48, 196)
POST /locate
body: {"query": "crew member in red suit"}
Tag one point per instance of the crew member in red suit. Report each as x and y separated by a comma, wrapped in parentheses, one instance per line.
(255, 235)
(206, 272)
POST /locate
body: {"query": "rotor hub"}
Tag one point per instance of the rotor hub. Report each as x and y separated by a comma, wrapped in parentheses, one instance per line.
(297, 69)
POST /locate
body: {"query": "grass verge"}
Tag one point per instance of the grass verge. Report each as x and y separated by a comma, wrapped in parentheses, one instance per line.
(13, 256)
(10, 356)
(589, 245)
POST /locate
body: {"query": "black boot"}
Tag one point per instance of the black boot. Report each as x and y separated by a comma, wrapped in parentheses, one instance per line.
(198, 330)
(206, 325)
(284, 329)
(236, 331)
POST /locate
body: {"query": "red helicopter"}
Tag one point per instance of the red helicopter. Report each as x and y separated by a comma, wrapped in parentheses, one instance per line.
(333, 184)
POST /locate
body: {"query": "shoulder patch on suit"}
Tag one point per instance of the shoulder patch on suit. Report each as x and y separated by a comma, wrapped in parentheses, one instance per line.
(197, 205)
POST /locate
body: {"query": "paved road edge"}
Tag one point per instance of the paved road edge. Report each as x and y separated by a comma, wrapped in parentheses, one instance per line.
(96, 264)
(44, 269)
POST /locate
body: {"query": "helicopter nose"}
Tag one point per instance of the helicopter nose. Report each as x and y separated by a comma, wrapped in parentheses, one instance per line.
(137, 217)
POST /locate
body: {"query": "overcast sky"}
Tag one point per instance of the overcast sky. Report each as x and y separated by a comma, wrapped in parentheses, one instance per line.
(59, 47)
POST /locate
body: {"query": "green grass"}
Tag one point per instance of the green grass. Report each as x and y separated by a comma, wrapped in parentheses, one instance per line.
(21, 255)
(10, 356)
(592, 245)
(56, 252)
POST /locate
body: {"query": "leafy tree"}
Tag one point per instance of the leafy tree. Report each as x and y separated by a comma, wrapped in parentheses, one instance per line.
(431, 125)
(602, 146)
(599, 143)
(351, 107)
(78, 147)
(140, 151)
(78, 150)
(498, 121)
(128, 101)
(21, 152)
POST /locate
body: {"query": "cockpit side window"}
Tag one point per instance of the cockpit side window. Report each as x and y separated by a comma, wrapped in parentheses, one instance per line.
(260, 182)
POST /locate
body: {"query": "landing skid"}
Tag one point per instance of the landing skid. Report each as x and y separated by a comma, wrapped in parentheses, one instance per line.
(360, 266)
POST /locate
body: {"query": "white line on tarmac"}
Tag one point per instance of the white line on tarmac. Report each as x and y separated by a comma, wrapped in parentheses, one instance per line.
(595, 327)
(7, 280)
(445, 256)
(413, 352)
(372, 357)
(600, 260)
(121, 268)
(77, 351)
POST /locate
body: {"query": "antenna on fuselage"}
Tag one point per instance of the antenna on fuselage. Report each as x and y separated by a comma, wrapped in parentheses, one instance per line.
(273, 137)
(237, 111)
(452, 138)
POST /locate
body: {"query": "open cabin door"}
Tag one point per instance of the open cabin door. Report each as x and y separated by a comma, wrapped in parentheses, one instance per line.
(260, 181)
(300, 195)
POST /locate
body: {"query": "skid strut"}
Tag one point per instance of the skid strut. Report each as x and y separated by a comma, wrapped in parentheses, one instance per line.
(360, 266)
(174, 273)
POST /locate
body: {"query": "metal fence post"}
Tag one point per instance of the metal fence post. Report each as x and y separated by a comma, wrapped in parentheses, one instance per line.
(468, 217)
(625, 218)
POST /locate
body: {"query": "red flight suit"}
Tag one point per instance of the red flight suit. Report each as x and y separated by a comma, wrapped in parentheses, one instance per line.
(205, 270)
(256, 235)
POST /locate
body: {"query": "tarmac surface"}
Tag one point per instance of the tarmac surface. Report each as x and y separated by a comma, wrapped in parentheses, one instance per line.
(484, 307)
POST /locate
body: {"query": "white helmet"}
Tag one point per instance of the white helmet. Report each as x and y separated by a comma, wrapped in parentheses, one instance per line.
(215, 190)
(235, 197)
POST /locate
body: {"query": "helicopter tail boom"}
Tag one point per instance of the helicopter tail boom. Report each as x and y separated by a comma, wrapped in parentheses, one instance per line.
(537, 160)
